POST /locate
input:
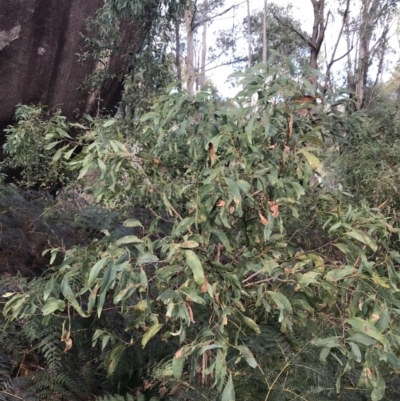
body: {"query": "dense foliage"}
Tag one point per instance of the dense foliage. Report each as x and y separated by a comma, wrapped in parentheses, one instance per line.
(229, 260)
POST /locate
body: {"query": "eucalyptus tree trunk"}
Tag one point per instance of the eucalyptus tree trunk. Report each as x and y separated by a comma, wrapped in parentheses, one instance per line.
(317, 37)
(178, 54)
(190, 49)
(249, 34)
(265, 43)
(204, 47)
(368, 15)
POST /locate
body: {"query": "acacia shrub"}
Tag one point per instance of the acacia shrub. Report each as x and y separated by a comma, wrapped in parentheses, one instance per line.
(220, 264)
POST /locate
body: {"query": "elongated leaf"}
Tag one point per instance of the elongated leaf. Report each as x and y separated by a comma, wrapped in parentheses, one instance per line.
(229, 393)
(313, 160)
(364, 238)
(129, 239)
(248, 355)
(150, 333)
(281, 301)
(113, 357)
(367, 328)
(52, 305)
(339, 274)
(95, 270)
(195, 265)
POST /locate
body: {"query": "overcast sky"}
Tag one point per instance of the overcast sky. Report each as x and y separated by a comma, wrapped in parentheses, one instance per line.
(302, 11)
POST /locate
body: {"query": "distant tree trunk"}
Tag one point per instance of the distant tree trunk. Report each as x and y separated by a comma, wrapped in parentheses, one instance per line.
(265, 43)
(204, 47)
(317, 37)
(249, 34)
(189, 56)
(178, 54)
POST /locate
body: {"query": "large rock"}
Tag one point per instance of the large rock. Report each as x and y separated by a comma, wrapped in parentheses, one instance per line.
(39, 40)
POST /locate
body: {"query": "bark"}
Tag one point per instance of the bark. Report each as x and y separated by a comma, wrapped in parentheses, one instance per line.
(190, 49)
(265, 43)
(249, 34)
(317, 37)
(39, 40)
(178, 54)
(204, 48)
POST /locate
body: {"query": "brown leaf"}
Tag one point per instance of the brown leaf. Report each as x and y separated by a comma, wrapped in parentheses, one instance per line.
(290, 126)
(191, 316)
(221, 203)
(156, 161)
(162, 391)
(264, 221)
(68, 345)
(211, 152)
(272, 146)
(178, 353)
(274, 208)
(231, 210)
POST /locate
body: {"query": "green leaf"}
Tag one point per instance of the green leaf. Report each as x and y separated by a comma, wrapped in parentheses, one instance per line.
(129, 239)
(367, 328)
(235, 191)
(195, 265)
(150, 333)
(229, 393)
(149, 116)
(339, 274)
(281, 301)
(177, 366)
(248, 355)
(313, 160)
(110, 122)
(249, 322)
(95, 270)
(364, 238)
(132, 223)
(52, 305)
(113, 358)
(146, 258)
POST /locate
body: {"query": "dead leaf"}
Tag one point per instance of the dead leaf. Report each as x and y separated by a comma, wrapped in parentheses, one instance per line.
(231, 210)
(264, 221)
(290, 126)
(191, 316)
(211, 152)
(163, 390)
(178, 353)
(287, 149)
(68, 345)
(272, 146)
(221, 203)
(274, 208)
(156, 161)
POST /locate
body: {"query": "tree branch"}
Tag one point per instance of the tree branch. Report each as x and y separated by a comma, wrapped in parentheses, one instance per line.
(307, 40)
(202, 21)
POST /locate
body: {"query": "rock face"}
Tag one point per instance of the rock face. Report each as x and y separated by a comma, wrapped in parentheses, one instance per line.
(39, 40)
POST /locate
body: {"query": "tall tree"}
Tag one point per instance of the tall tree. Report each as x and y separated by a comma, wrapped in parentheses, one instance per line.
(265, 43)
(248, 33)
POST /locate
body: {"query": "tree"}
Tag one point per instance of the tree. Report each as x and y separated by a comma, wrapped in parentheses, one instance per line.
(48, 43)
(373, 15)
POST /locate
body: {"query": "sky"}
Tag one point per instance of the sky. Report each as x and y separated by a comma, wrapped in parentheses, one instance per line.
(303, 11)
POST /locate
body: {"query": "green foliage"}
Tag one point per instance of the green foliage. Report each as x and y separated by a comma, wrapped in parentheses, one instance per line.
(27, 146)
(368, 166)
(222, 267)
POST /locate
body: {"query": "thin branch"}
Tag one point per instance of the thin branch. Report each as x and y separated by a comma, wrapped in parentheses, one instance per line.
(307, 40)
(202, 21)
